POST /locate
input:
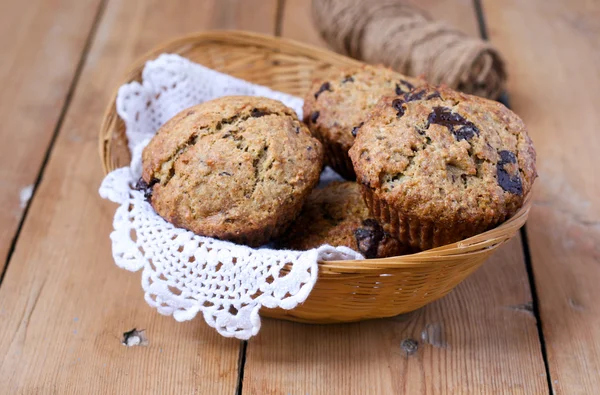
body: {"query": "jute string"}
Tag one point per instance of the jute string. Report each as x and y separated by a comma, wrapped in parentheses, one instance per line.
(397, 35)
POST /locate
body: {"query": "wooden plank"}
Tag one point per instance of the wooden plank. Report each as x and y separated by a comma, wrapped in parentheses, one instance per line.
(64, 305)
(41, 43)
(553, 55)
(297, 23)
(482, 338)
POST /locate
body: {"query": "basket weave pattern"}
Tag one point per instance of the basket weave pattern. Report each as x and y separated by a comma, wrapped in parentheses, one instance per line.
(345, 290)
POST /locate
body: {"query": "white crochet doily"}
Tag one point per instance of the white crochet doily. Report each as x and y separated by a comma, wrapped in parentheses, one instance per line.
(183, 273)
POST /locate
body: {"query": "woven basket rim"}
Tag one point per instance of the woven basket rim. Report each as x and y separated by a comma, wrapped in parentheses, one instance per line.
(479, 243)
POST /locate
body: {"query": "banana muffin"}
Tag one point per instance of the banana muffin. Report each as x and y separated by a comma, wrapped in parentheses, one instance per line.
(237, 168)
(336, 106)
(437, 166)
(337, 215)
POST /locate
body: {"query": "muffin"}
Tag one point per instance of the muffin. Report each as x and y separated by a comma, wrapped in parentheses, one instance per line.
(337, 215)
(336, 106)
(237, 168)
(437, 166)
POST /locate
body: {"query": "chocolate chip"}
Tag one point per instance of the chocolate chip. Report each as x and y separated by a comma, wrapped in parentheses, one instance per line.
(434, 95)
(348, 79)
(355, 129)
(445, 117)
(414, 96)
(466, 132)
(224, 173)
(507, 182)
(256, 113)
(399, 90)
(368, 238)
(297, 129)
(397, 105)
(309, 148)
(323, 88)
(314, 116)
(408, 85)
(143, 186)
(507, 156)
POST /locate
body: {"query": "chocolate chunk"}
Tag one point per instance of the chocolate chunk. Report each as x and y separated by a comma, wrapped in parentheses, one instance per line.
(404, 89)
(414, 96)
(445, 117)
(323, 88)
(256, 113)
(408, 85)
(348, 79)
(143, 186)
(466, 132)
(368, 238)
(399, 90)
(434, 95)
(355, 129)
(507, 157)
(314, 116)
(507, 182)
(397, 104)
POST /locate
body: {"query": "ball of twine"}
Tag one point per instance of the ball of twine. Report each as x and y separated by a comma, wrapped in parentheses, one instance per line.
(404, 38)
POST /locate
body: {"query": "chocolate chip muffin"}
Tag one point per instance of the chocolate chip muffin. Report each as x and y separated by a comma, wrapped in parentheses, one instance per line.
(337, 215)
(336, 106)
(437, 166)
(236, 168)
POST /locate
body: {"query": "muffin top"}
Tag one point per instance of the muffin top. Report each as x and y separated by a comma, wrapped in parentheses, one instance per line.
(237, 168)
(337, 215)
(443, 156)
(336, 105)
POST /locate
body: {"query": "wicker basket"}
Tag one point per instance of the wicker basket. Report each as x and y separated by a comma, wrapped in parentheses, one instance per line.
(345, 290)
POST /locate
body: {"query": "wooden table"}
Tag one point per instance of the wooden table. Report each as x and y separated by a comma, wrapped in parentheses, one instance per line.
(527, 322)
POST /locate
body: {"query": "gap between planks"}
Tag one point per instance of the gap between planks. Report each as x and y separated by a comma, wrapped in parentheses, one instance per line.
(262, 376)
(505, 99)
(244, 343)
(80, 63)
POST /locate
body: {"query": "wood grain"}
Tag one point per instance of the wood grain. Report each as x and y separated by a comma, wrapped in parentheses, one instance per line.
(296, 23)
(64, 305)
(553, 55)
(41, 43)
(482, 338)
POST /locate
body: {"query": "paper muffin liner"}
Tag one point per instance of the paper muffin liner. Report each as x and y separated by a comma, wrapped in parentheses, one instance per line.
(336, 156)
(418, 233)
